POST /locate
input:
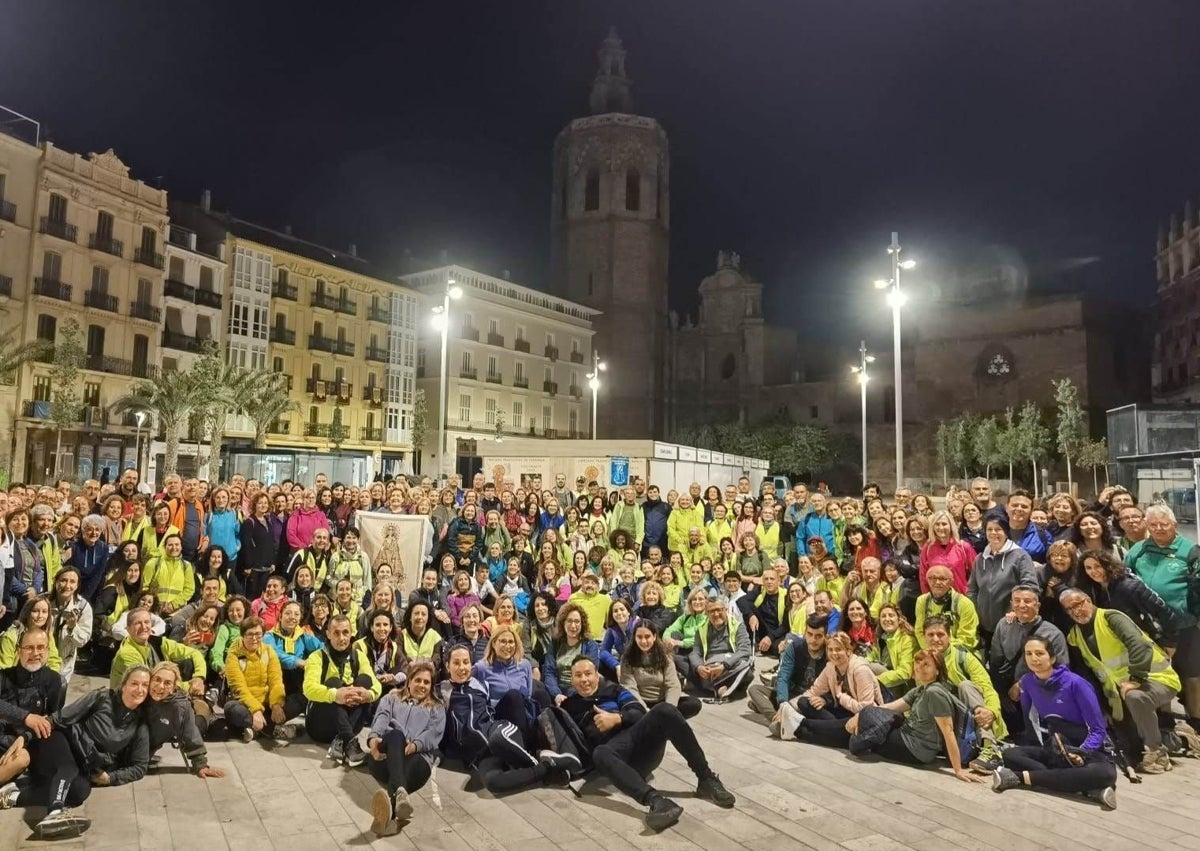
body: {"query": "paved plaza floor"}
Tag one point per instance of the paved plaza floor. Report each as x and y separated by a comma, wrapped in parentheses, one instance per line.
(790, 795)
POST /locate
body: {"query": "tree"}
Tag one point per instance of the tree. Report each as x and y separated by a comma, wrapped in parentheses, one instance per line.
(170, 400)
(222, 387)
(986, 444)
(1033, 438)
(1093, 454)
(337, 432)
(962, 453)
(944, 439)
(266, 403)
(64, 382)
(499, 426)
(1008, 444)
(1072, 431)
(420, 426)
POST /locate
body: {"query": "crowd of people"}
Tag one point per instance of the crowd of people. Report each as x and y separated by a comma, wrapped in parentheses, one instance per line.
(553, 632)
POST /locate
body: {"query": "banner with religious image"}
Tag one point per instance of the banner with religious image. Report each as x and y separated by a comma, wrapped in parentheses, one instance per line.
(397, 540)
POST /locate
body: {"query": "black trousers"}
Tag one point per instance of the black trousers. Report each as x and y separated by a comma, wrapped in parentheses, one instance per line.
(397, 770)
(629, 756)
(325, 722)
(509, 764)
(1038, 761)
(238, 716)
(511, 708)
(54, 775)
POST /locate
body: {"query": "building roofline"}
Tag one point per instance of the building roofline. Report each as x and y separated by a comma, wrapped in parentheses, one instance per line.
(551, 303)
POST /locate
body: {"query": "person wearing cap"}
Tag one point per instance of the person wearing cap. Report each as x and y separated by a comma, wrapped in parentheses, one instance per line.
(1006, 658)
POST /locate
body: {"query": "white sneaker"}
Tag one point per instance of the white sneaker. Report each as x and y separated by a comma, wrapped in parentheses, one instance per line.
(8, 796)
(402, 808)
(790, 718)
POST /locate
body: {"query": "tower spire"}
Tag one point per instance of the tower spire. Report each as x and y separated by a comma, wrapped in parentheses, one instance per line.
(611, 88)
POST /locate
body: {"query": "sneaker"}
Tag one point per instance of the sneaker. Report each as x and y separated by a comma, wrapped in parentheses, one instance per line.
(1164, 759)
(336, 752)
(354, 753)
(663, 813)
(989, 759)
(790, 717)
(560, 761)
(1106, 797)
(774, 729)
(381, 813)
(1005, 778)
(1152, 761)
(1188, 735)
(711, 788)
(61, 823)
(248, 735)
(402, 808)
(211, 696)
(284, 731)
(8, 796)
(279, 740)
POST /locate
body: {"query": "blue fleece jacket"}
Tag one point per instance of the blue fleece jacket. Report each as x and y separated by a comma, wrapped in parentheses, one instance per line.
(1065, 695)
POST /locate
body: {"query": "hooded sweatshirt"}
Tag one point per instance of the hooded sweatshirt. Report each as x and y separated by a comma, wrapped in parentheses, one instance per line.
(301, 525)
(993, 579)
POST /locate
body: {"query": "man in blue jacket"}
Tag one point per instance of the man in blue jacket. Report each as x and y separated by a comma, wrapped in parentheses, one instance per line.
(628, 743)
(799, 664)
(816, 523)
(90, 556)
(656, 513)
(1026, 534)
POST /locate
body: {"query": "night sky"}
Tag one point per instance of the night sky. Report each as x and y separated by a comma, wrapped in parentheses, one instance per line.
(801, 132)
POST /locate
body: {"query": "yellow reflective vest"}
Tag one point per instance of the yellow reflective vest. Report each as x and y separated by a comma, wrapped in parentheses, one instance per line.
(1112, 668)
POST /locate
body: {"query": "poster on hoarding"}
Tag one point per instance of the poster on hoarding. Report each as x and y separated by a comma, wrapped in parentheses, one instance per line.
(618, 474)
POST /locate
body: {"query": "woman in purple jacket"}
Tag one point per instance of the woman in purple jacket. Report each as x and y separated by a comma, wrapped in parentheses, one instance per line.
(1071, 727)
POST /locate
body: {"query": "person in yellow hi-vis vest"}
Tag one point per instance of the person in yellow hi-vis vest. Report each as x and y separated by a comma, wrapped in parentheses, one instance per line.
(341, 687)
(1133, 671)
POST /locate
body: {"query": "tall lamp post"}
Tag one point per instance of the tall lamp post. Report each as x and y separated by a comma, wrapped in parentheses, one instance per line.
(441, 319)
(593, 377)
(861, 372)
(140, 417)
(896, 299)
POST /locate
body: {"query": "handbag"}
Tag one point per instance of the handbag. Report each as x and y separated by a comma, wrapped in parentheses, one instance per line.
(874, 724)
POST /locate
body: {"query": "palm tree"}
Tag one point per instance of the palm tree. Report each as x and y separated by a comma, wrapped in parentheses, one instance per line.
(266, 402)
(170, 400)
(221, 386)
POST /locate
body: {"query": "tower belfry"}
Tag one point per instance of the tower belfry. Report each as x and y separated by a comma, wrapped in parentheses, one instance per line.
(611, 88)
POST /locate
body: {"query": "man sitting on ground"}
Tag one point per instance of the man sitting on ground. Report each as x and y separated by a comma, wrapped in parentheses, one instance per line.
(341, 687)
(720, 658)
(799, 664)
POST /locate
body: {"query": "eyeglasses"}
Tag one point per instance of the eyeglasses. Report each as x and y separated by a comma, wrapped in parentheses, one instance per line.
(1077, 605)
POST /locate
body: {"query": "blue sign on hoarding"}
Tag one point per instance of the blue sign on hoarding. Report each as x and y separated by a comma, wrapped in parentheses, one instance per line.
(618, 475)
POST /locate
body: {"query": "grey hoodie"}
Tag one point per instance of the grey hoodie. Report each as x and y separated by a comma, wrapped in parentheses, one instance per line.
(994, 577)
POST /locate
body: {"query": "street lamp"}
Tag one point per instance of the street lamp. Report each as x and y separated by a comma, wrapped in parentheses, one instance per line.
(861, 372)
(441, 320)
(593, 377)
(896, 299)
(140, 417)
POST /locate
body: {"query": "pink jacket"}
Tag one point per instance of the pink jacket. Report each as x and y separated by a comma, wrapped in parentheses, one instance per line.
(301, 525)
(959, 556)
(862, 689)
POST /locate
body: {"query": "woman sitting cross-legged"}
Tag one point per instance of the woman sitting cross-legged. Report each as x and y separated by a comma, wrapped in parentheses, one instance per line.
(841, 690)
(648, 672)
(403, 744)
(1070, 726)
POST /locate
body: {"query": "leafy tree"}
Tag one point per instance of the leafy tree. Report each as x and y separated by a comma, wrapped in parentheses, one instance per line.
(266, 402)
(1033, 438)
(170, 400)
(222, 387)
(338, 433)
(986, 444)
(962, 452)
(1093, 454)
(1072, 431)
(420, 426)
(944, 440)
(1008, 444)
(69, 356)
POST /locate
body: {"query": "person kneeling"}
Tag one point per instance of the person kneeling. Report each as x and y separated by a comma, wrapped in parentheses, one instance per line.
(341, 687)
(628, 743)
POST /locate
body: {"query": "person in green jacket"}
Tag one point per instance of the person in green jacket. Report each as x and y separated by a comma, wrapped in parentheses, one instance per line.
(170, 576)
(1166, 561)
(139, 649)
(236, 609)
(892, 656)
(341, 687)
(680, 636)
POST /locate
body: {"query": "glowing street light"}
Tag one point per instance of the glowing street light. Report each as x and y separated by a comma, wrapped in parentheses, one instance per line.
(441, 321)
(593, 377)
(861, 372)
(896, 300)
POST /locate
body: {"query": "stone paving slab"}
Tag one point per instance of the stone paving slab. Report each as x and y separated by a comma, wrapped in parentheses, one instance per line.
(798, 795)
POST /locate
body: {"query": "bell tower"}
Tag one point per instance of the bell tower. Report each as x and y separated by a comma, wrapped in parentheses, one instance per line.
(610, 228)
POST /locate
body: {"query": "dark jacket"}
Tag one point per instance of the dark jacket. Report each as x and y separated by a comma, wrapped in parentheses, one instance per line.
(660, 616)
(259, 546)
(609, 697)
(105, 736)
(793, 665)
(22, 692)
(656, 513)
(174, 719)
(92, 562)
(468, 719)
(1129, 594)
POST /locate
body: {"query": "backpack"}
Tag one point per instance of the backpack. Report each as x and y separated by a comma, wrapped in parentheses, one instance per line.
(965, 732)
(561, 734)
(325, 660)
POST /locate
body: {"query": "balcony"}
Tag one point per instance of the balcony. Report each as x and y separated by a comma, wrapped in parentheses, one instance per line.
(324, 300)
(521, 345)
(550, 387)
(180, 290)
(321, 343)
(343, 347)
(145, 310)
(101, 301)
(377, 353)
(318, 387)
(346, 306)
(148, 257)
(495, 339)
(119, 366)
(344, 391)
(494, 378)
(51, 288)
(37, 409)
(371, 435)
(379, 314)
(552, 352)
(521, 381)
(62, 230)
(279, 427)
(287, 291)
(373, 393)
(469, 372)
(284, 336)
(576, 391)
(316, 429)
(5, 286)
(576, 357)
(469, 334)
(181, 341)
(8, 211)
(208, 298)
(107, 244)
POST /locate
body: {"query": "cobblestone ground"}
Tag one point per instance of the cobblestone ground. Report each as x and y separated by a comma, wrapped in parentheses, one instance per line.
(796, 795)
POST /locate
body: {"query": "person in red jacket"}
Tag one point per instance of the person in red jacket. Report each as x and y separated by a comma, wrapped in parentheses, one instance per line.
(271, 603)
(945, 548)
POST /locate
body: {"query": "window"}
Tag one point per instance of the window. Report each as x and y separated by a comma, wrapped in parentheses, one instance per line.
(206, 278)
(91, 393)
(573, 421)
(314, 415)
(339, 374)
(47, 327)
(574, 346)
(574, 379)
(489, 411)
(104, 225)
(95, 341)
(175, 269)
(316, 372)
(421, 360)
(320, 287)
(145, 291)
(813, 412)
(100, 280)
(548, 374)
(149, 240)
(547, 418)
(633, 190)
(466, 361)
(493, 366)
(591, 190)
(468, 322)
(519, 370)
(239, 319)
(464, 407)
(58, 208)
(521, 332)
(52, 266)
(203, 327)
(277, 365)
(493, 326)
(42, 388)
(518, 419)
(259, 328)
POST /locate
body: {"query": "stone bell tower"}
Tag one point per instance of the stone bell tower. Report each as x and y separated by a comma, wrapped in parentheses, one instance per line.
(610, 224)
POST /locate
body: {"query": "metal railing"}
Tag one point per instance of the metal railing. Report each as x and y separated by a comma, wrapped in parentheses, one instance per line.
(288, 291)
(107, 244)
(181, 341)
(101, 301)
(145, 310)
(521, 345)
(52, 288)
(283, 335)
(148, 257)
(61, 229)
(377, 353)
